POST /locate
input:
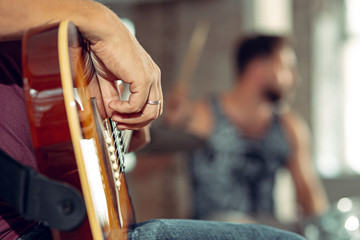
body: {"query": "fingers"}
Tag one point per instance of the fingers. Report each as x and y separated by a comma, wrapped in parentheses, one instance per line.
(130, 63)
(161, 98)
(136, 120)
(136, 102)
(148, 113)
(109, 94)
(122, 126)
(143, 87)
(138, 111)
(131, 118)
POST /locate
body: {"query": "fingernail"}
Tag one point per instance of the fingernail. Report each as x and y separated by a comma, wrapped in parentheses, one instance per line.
(121, 127)
(111, 104)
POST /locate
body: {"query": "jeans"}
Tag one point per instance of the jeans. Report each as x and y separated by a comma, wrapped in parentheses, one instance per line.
(206, 230)
(166, 229)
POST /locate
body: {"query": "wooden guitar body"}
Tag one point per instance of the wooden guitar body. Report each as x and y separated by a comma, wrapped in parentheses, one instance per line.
(73, 142)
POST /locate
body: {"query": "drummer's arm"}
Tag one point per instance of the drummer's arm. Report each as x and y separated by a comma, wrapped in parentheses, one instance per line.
(310, 192)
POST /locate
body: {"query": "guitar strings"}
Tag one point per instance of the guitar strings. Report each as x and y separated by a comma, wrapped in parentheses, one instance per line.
(118, 140)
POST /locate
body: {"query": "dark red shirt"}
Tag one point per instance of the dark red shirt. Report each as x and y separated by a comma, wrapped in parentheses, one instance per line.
(15, 138)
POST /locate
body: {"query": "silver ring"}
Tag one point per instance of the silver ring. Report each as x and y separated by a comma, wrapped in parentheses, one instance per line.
(154, 102)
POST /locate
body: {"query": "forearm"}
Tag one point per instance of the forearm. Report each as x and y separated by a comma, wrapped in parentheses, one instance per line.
(17, 16)
(118, 54)
(312, 198)
(309, 190)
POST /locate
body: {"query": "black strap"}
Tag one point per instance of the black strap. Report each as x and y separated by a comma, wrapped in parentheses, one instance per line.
(37, 197)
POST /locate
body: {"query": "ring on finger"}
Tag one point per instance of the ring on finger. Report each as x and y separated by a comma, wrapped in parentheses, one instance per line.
(153, 102)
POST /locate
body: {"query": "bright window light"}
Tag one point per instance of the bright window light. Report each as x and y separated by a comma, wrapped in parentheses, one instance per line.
(352, 102)
(129, 24)
(272, 16)
(337, 92)
(352, 16)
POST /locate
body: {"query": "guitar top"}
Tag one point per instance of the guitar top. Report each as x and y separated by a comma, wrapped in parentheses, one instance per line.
(74, 142)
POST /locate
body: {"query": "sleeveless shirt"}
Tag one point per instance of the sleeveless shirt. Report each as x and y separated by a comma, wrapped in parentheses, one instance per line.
(232, 172)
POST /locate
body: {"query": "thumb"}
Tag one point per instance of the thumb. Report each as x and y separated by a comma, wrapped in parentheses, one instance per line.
(110, 93)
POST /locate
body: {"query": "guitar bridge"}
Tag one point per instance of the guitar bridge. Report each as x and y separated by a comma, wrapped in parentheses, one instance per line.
(114, 139)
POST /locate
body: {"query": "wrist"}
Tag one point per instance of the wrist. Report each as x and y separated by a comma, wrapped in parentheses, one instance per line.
(93, 19)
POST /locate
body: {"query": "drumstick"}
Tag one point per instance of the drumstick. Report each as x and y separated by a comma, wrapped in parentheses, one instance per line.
(180, 89)
(193, 52)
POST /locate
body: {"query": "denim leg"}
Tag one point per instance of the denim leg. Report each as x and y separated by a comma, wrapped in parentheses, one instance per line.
(166, 229)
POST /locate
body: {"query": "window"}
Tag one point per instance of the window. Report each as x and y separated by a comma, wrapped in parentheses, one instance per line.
(336, 91)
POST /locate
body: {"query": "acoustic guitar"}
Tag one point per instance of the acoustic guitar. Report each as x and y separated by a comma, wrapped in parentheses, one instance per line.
(74, 142)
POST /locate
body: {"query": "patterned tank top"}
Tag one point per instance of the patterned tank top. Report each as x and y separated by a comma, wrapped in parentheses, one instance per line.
(231, 172)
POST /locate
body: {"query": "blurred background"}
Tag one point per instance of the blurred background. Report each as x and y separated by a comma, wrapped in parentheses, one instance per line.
(326, 38)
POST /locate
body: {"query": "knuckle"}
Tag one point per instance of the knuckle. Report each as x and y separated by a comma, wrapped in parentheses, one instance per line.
(137, 109)
(151, 116)
(136, 128)
(156, 74)
(155, 115)
(158, 71)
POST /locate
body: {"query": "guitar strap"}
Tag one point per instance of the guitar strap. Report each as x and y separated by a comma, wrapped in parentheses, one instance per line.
(37, 197)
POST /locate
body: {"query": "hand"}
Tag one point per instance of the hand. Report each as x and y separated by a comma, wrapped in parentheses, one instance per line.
(117, 55)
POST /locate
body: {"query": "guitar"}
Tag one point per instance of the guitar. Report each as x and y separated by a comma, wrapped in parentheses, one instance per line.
(73, 140)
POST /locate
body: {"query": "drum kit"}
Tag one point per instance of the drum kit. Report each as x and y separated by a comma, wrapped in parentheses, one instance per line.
(341, 222)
